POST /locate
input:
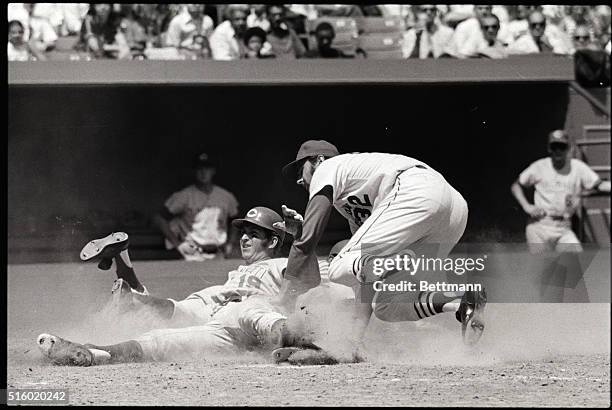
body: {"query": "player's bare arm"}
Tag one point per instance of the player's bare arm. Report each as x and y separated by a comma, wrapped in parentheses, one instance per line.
(302, 267)
(530, 209)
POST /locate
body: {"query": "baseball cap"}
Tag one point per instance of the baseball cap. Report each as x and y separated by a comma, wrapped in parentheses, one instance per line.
(202, 160)
(309, 149)
(262, 217)
(558, 137)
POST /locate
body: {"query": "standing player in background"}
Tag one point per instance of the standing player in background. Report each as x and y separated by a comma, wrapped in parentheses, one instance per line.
(391, 201)
(195, 220)
(559, 183)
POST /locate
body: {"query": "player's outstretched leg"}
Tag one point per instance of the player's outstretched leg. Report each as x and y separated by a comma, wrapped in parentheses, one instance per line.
(66, 353)
(471, 316)
(114, 247)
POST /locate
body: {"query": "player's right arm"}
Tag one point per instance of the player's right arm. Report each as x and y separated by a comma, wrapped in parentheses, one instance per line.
(526, 179)
(162, 221)
(303, 266)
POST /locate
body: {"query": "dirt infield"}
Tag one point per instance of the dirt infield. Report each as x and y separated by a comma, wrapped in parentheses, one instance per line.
(531, 355)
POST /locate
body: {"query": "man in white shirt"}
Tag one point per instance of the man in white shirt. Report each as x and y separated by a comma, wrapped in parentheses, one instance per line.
(429, 38)
(559, 183)
(468, 32)
(489, 45)
(258, 17)
(195, 219)
(191, 21)
(226, 40)
(539, 39)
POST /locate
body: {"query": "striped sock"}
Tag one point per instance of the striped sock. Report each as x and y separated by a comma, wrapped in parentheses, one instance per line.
(431, 303)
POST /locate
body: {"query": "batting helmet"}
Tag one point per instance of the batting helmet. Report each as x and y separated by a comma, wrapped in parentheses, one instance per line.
(262, 217)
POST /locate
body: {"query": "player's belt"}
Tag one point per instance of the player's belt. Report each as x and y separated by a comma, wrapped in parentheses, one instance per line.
(557, 217)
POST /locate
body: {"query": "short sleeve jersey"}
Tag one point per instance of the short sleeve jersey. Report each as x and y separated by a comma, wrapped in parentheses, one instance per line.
(261, 278)
(206, 213)
(359, 181)
(557, 194)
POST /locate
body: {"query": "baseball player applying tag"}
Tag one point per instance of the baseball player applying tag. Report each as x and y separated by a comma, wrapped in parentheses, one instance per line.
(392, 202)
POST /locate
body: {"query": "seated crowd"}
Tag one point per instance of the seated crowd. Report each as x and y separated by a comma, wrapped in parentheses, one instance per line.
(232, 32)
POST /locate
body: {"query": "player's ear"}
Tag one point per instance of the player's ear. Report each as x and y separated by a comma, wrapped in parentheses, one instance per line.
(273, 242)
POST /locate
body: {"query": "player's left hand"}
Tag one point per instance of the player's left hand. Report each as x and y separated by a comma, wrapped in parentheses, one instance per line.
(292, 223)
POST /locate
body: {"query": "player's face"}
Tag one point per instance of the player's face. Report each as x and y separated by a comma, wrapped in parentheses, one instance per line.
(558, 152)
(255, 244)
(306, 171)
(205, 175)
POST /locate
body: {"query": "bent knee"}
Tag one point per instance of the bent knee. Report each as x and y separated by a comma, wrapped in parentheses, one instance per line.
(394, 312)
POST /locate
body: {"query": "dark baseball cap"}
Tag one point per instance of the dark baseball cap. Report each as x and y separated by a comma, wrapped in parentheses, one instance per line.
(309, 149)
(262, 217)
(558, 137)
(202, 160)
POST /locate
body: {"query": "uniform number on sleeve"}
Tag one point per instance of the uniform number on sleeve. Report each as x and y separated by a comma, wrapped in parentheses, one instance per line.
(360, 207)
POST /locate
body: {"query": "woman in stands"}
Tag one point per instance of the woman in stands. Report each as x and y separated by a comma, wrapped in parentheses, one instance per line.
(100, 34)
(18, 49)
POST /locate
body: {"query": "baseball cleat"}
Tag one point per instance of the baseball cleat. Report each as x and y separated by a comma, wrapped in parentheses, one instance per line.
(282, 354)
(105, 248)
(471, 316)
(64, 352)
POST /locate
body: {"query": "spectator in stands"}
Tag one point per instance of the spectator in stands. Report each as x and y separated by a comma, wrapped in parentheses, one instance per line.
(133, 28)
(519, 26)
(429, 38)
(468, 33)
(226, 42)
(258, 17)
(44, 21)
(21, 13)
(18, 48)
(283, 40)
(195, 220)
(190, 22)
(100, 33)
(73, 15)
(254, 40)
(325, 34)
(591, 62)
(491, 46)
(582, 39)
(156, 19)
(536, 40)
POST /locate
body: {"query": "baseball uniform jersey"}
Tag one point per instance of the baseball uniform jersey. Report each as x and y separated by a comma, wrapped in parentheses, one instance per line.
(559, 195)
(205, 213)
(389, 200)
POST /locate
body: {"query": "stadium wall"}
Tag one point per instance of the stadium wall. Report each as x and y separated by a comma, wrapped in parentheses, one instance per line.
(87, 158)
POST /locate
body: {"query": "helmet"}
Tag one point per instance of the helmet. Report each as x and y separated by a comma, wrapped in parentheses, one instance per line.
(262, 217)
(335, 250)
